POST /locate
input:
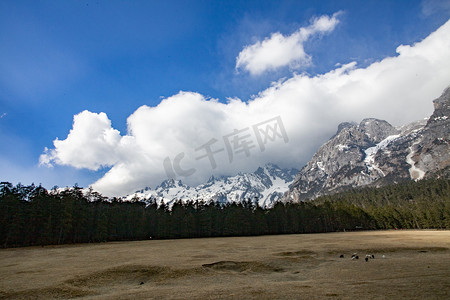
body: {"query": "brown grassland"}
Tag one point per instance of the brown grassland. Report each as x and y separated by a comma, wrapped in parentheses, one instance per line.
(416, 266)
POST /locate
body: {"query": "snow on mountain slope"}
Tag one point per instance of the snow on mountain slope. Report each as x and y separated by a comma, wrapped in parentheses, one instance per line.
(372, 151)
(265, 186)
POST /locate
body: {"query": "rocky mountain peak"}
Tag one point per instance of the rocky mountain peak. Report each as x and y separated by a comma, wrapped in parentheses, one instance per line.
(377, 130)
(170, 183)
(344, 125)
(443, 102)
(441, 109)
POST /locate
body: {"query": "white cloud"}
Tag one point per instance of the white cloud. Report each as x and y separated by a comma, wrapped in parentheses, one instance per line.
(91, 143)
(398, 89)
(280, 51)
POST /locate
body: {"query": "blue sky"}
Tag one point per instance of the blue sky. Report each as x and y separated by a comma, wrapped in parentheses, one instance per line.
(60, 58)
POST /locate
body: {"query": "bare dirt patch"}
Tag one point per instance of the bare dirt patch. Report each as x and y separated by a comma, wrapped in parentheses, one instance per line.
(406, 265)
(242, 266)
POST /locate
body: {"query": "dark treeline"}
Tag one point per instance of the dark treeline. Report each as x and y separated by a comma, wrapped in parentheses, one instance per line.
(31, 215)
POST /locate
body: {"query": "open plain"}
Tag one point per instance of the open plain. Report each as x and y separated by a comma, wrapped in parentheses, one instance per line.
(406, 265)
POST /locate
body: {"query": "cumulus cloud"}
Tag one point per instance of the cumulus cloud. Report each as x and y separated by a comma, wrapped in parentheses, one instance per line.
(279, 51)
(91, 144)
(172, 138)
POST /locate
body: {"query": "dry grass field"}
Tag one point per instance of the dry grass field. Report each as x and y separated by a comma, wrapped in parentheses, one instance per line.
(416, 266)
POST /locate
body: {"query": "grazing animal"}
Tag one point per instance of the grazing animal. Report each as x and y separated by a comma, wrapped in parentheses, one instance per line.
(367, 259)
(373, 256)
(342, 256)
(383, 256)
(141, 283)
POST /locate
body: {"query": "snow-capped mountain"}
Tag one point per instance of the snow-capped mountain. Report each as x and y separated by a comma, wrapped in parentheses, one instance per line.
(376, 153)
(265, 186)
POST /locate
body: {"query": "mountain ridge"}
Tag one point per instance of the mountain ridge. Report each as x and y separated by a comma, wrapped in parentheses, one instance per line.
(374, 153)
(265, 186)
